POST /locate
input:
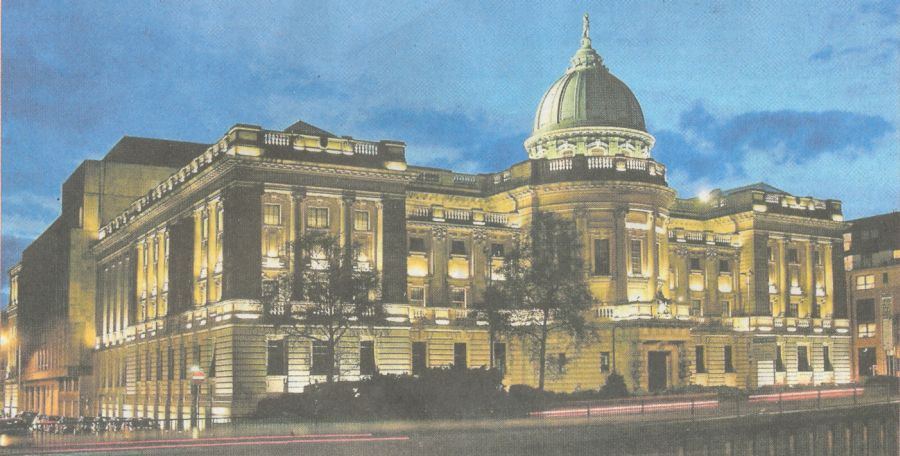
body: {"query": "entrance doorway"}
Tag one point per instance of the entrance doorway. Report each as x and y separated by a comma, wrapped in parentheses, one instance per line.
(867, 361)
(657, 370)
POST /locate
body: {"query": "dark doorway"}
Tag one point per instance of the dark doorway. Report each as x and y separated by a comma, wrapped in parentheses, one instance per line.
(657, 370)
(867, 361)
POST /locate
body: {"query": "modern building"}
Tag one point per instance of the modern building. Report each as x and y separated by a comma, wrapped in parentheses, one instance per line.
(872, 262)
(740, 287)
(50, 334)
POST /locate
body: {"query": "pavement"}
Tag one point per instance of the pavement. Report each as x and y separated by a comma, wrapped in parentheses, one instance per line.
(553, 434)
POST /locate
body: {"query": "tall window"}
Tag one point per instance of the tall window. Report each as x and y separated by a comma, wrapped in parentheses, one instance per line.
(604, 361)
(204, 225)
(792, 256)
(459, 355)
(729, 363)
(417, 296)
(779, 359)
(497, 250)
(865, 318)
(275, 358)
(636, 257)
(367, 357)
(272, 214)
(500, 357)
(803, 358)
(170, 374)
(212, 362)
(220, 219)
(726, 308)
(458, 297)
(361, 220)
(419, 358)
(601, 256)
(159, 365)
(826, 358)
(322, 362)
(183, 371)
(696, 307)
(317, 217)
(137, 366)
(700, 355)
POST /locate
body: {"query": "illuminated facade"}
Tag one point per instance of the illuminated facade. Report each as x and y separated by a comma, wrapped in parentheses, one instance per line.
(872, 262)
(742, 287)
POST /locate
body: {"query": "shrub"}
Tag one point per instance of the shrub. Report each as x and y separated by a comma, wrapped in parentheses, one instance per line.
(614, 387)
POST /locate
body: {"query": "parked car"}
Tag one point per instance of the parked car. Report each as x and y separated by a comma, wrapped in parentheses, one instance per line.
(66, 425)
(14, 425)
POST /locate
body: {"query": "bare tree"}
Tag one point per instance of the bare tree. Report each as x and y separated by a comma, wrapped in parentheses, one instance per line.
(337, 295)
(546, 284)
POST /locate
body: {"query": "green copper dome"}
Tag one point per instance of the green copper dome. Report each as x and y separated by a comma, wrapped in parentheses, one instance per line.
(588, 95)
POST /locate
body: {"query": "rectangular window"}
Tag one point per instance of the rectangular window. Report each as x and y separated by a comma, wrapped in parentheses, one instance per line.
(729, 362)
(636, 257)
(137, 366)
(317, 217)
(803, 358)
(497, 250)
(726, 308)
(220, 219)
(770, 252)
(272, 214)
(601, 256)
(695, 264)
(457, 247)
(817, 258)
(724, 266)
(417, 244)
(604, 361)
(417, 296)
(884, 278)
(500, 357)
(419, 358)
(204, 225)
(458, 297)
(275, 358)
(367, 357)
(459, 355)
(779, 359)
(123, 380)
(322, 361)
(700, 356)
(361, 220)
(826, 358)
(792, 256)
(170, 374)
(865, 310)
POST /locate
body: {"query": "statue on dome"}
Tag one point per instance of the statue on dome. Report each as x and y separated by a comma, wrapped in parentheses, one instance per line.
(586, 27)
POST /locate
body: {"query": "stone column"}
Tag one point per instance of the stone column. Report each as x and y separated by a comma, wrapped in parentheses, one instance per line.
(759, 292)
(620, 269)
(242, 241)
(784, 278)
(440, 256)
(712, 284)
(297, 233)
(810, 282)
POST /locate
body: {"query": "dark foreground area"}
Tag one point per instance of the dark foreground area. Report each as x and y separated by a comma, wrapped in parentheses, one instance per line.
(865, 429)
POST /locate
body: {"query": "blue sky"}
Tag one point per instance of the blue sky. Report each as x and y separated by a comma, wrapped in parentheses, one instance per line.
(803, 95)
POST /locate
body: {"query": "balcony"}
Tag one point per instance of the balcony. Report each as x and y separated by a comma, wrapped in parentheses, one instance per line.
(598, 168)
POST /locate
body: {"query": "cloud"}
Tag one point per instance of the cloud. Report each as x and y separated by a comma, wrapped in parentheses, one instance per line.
(793, 150)
(887, 11)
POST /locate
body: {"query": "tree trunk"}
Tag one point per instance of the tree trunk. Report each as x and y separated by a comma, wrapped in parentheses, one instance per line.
(329, 376)
(543, 353)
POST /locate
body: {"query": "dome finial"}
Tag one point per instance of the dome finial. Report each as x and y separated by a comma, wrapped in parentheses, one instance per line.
(586, 31)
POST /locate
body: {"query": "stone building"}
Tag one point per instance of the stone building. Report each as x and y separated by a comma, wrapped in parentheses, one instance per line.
(872, 262)
(741, 287)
